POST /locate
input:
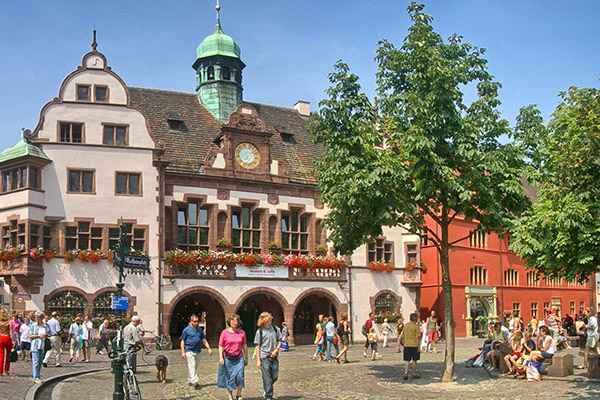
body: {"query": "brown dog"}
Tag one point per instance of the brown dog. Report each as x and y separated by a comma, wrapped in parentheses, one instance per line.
(161, 363)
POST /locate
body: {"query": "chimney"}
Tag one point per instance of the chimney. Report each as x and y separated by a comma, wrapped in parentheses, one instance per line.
(303, 108)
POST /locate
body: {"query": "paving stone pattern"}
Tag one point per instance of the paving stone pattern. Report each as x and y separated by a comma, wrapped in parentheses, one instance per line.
(16, 385)
(302, 378)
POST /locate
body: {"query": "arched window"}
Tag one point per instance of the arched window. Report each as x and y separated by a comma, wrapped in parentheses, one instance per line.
(102, 306)
(210, 73)
(67, 304)
(225, 74)
(386, 303)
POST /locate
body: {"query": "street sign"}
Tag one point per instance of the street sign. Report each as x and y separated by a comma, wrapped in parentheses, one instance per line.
(119, 303)
(131, 262)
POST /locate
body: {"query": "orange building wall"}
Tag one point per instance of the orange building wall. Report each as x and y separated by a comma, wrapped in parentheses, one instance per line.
(496, 258)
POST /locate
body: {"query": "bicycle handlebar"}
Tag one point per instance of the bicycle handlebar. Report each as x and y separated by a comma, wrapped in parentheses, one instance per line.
(131, 350)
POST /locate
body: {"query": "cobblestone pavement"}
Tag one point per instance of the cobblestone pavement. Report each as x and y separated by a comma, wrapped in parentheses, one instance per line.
(17, 384)
(301, 378)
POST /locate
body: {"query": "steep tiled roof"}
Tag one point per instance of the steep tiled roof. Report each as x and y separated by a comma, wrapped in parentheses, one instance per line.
(187, 149)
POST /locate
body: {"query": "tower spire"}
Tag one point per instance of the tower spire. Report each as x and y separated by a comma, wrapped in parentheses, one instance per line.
(94, 44)
(218, 26)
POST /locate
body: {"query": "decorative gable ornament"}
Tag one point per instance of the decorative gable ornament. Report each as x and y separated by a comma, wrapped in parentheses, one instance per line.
(246, 118)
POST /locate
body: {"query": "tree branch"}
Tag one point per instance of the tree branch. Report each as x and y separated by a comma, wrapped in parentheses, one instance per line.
(431, 214)
(459, 240)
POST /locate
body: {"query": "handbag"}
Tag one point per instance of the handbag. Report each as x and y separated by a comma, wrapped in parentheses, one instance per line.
(230, 357)
(284, 345)
(335, 341)
(13, 357)
(47, 344)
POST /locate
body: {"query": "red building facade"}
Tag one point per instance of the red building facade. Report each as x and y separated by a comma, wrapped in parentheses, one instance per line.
(488, 279)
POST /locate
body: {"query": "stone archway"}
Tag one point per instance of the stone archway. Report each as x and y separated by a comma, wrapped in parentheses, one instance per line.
(478, 307)
(256, 300)
(195, 300)
(307, 308)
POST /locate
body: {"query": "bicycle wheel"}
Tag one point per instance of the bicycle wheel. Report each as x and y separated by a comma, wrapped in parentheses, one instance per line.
(165, 344)
(151, 345)
(131, 388)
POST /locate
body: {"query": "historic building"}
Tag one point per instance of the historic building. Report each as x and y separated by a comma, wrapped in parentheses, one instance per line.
(184, 171)
(489, 279)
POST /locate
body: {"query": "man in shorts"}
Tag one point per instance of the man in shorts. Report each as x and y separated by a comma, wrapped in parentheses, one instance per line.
(433, 330)
(410, 338)
(591, 329)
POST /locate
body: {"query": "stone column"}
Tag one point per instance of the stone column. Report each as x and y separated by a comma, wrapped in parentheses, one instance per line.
(468, 319)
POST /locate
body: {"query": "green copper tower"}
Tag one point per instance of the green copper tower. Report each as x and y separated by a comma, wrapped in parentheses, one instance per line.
(218, 69)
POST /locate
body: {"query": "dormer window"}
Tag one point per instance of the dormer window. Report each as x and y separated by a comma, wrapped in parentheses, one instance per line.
(175, 125)
(210, 73)
(83, 92)
(175, 121)
(101, 94)
(287, 138)
(225, 74)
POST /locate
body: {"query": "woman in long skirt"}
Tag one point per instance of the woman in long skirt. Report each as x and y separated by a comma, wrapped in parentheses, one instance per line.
(233, 358)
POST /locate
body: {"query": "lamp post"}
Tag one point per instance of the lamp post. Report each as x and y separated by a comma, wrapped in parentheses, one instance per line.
(123, 259)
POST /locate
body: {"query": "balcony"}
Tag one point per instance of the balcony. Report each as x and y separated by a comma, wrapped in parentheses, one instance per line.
(412, 278)
(21, 266)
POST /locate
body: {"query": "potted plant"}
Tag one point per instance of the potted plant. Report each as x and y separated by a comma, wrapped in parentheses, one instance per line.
(274, 247)
(320, 250)
(482, 321)
(223, 244)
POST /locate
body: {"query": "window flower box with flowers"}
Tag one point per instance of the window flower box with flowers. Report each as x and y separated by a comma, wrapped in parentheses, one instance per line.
(180, 258)
(39, 252)
(89, 255)
(391, 316)
(411, 266)
(11, 252)
(380, 266)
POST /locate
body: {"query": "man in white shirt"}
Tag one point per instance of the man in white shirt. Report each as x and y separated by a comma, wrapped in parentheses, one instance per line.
(86, 338)
(54, 332)
(131, 338)
(591, 329)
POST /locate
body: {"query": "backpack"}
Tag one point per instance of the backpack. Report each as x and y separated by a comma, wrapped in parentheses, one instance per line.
(364, 330)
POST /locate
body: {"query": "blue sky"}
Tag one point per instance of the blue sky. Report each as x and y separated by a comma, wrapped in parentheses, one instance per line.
(535, 48)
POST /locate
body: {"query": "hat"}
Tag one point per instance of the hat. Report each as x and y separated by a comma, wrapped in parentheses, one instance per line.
(491, 323)
(385, 320)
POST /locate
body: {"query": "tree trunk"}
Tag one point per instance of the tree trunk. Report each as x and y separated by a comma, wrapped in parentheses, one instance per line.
(448, 373)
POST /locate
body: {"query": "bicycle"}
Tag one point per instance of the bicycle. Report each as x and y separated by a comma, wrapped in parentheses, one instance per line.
(131, 388)
(159, 342)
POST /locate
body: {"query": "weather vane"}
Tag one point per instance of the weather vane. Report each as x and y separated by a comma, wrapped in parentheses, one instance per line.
(94, 44)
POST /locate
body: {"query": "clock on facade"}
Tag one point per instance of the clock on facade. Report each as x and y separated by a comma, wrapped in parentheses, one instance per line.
(247, 155)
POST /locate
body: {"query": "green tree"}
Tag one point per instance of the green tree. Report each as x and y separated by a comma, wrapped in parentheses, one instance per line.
(560, 235)
(424, 153)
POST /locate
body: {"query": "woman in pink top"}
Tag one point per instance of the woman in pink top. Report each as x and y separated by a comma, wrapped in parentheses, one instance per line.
(233, 358)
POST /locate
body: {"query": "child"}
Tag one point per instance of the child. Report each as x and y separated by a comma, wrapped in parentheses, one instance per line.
(372, 337)
(25, 341)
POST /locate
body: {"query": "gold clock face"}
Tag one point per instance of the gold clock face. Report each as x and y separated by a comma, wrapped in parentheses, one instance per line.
(247, 155)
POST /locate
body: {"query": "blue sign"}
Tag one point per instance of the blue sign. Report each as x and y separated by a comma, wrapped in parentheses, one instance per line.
(119, 303)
